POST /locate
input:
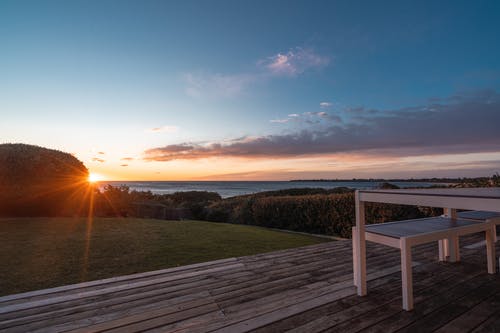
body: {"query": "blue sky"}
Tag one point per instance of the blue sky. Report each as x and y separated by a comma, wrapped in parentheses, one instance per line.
(255, 89)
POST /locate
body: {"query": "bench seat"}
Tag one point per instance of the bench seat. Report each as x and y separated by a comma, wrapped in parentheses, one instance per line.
(478, 215)
(424, 230)
(482, 216)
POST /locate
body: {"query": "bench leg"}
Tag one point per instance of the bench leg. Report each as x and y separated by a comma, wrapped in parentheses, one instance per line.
(453, 249)
(442, 249)
(490, 250)
(406, 275)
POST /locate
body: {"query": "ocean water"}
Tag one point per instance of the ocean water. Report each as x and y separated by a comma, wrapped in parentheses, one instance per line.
(232, 188)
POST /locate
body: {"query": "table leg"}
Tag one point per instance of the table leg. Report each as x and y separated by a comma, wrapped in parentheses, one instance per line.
(359, 248)
(406, 275)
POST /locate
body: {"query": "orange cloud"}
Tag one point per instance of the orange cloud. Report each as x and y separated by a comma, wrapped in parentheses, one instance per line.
(427, 129)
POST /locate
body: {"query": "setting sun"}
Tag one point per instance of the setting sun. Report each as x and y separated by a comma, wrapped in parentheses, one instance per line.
(94, 177)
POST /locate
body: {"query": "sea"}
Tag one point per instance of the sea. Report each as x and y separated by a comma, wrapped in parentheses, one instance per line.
(233, 188)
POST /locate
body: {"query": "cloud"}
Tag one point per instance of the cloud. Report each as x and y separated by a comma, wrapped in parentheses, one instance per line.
(127, 159)
(325, 105)
(280, 121)
(124, 165)
(308, 118)
(319, 114)
(101, 153)
(164, 129)
(97, 159)
(467, 124)
(325, 116)
(217, 85)
(294, 62)
(383, 170)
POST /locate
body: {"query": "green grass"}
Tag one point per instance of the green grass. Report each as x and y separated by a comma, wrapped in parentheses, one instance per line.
(38, 253)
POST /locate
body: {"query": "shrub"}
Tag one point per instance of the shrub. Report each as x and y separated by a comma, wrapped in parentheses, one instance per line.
(194, 196)
(302, 191)
(120, 201)
(194, 202)
(388, 186)
(37, 181)
(114, 201)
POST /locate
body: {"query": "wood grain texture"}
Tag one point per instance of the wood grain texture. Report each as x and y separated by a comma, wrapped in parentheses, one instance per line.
(307, 289)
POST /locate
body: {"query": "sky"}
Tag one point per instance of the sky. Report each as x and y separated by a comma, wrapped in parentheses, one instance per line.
(255, 90)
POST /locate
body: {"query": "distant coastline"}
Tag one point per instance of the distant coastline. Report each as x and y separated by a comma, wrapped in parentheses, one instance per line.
(380, 180)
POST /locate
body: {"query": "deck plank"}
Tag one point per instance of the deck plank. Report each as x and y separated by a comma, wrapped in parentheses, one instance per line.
(304, 290)
(381, 288)
(375, 309)
(451, 311)
(473, 317)
(488, 326)
(431, 301)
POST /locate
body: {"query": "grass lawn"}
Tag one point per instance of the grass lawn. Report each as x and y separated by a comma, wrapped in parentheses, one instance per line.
(37, 253)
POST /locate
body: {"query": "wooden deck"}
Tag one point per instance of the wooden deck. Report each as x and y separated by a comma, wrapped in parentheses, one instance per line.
(299, 290)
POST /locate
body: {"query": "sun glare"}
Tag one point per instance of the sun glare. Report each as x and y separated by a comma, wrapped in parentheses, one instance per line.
(94, 177)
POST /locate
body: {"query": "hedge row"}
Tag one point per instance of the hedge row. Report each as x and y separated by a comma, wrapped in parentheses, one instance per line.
(331, 214)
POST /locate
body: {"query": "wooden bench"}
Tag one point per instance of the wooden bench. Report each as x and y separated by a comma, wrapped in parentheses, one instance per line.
(404, 235)
(481, 216)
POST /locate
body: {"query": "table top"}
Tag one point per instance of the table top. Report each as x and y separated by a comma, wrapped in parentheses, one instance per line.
(483, 198)
(477, 192)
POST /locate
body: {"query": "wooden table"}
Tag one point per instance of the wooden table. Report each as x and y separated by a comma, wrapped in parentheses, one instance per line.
(450, 199)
